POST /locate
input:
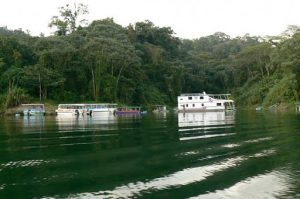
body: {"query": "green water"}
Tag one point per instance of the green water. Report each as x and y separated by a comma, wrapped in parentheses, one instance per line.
(204, 155)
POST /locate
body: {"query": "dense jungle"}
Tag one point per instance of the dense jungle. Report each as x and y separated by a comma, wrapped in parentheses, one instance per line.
(143, 64)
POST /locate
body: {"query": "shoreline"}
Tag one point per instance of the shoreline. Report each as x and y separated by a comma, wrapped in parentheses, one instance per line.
(50, 109)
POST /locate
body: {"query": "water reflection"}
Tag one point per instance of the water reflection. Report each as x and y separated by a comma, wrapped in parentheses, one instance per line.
(204, 125)
(197, 155)
(33, 123)
(103, 121)
(205, 119)
(161, 115)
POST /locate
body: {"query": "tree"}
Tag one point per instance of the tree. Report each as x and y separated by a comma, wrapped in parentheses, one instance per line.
(108, 53)
(69, 19)
(41, 77)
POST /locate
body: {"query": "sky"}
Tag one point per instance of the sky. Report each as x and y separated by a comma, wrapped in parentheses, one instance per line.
(190, 19)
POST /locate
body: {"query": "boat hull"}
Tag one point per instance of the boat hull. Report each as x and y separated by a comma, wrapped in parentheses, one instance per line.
(70, 113)
(127, 112)
(202, 110)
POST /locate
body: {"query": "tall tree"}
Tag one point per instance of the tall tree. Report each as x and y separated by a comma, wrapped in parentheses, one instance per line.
(109, 54)
(69, 19)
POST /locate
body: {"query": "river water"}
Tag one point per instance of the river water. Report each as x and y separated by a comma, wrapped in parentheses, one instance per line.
(192, 155)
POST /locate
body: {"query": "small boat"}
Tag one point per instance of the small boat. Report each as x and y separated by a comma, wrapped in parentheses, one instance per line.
(33, 109)
(202, 102)
(298, 106)
(160, 109)
(259, 108)
(128, 110)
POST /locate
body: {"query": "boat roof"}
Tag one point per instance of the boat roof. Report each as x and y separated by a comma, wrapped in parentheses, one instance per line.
(71, 104)
(102, 104)
(89, 104)
(129, 107)
(203, 94)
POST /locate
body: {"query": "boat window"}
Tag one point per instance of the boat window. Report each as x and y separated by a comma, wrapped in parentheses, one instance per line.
(202, 104)
(201, 97)
(190, 98)
(181, 98)
(193, 105)
(187, 105)
(219, 104)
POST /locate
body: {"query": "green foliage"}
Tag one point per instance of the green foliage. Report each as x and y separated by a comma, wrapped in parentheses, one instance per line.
(2, 103)
(6, 32)
(15, 97)
(283, 91)
(144, 64)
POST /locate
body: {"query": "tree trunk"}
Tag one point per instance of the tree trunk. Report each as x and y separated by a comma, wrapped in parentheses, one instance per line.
(93, 80)
(40, 85)
(262, 71)
(267, 69)
(116, 90)
(45, 92)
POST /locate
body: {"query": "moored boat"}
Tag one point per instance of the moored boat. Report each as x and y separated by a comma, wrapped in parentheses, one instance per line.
(71, 109)
(33, 109)
(160, 109)
(100, 109)
(198, 102)
(128, 110)
(259, 108)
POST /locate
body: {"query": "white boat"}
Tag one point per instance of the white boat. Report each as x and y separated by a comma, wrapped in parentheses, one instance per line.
(86, 109)
(100, 109)
(201, 102)
(71, 109)
(33, 109)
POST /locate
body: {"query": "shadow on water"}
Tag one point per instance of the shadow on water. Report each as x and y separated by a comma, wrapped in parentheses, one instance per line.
(191, 155)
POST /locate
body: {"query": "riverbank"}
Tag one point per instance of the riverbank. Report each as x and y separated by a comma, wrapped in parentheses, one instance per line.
(51, 107)
(281, 107)
(49, 110)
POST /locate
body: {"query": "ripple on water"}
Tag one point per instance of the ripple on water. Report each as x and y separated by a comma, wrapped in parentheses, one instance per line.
(268, 185)
(197, 174)
(205, 136)
(23, 163)
(180, 178)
